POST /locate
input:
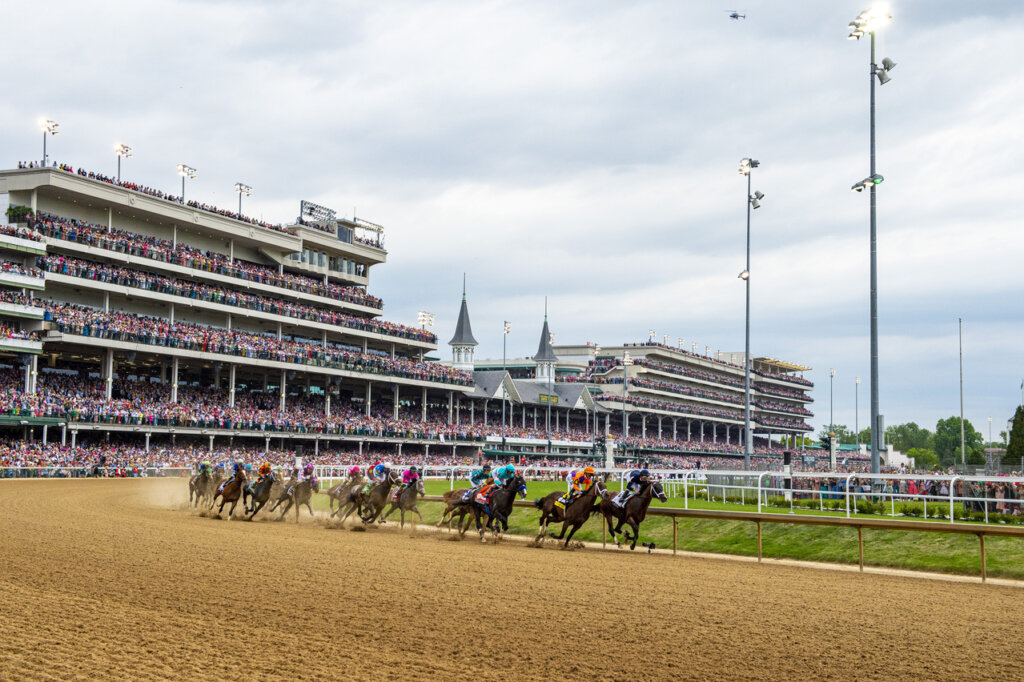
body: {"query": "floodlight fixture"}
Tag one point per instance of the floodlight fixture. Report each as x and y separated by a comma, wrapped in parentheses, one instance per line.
(49, 126)
(745, 275)
(508, 326)
(875, 179)
(186, 171)
(122, 150)
(746, 164)
(424, 318)
(242, 188)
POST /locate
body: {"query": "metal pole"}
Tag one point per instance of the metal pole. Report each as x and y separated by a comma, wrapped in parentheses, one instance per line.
(239, 202)
(748, 440)
(119, 168)
(856, 412)
(963, 451)
(44, 149)
(831, 381)
(183, 189)
(504, 346)
(875, 435)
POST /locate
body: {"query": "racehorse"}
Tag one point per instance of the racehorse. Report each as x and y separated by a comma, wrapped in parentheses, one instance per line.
(575, 515)
(260, 491)
(297, 494)
(340, 492)
(406, 502)
(500, 505)
(633, 513)
(374, 502)
(455, 504)
(203, 486)
(230, 491)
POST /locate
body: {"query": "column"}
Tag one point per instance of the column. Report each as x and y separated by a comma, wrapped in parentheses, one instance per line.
(450, 394)
(472, 411)
(485, 412)
(607, 424)
(702, 432)
(535, 416)
(423, 406)
(714, 433)
(147, 441)
(174, 380)
(35, 373)
(227, 322)
(74, 437)
(64, 435)
(45, 427)
(643, 426)
(674, 420)
(110, 373)
(216, 375)
(395, 411)
(211, 445)
(369, 397)
(231, 249)
(327, 398)
(284, 386)
(110, 217)
(170, 313)
(231, 386)
(106, 302)
(266, 446)
(278, 331)
(659, 426)
(458, 410)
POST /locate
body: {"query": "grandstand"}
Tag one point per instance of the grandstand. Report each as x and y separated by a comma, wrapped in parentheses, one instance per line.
(128, 316)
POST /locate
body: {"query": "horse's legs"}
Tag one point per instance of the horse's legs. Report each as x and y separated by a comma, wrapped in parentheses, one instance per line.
(390, 511)
(575, 527)
(636, 532)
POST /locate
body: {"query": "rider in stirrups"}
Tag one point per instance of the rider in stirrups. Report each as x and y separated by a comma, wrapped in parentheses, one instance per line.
(236, 468)
(502, 475)
(638, 478)
(354, 472)
(409, 477)
(264, 470)
(206, 468)
(377, 473)
(477, 479)
(581, 482)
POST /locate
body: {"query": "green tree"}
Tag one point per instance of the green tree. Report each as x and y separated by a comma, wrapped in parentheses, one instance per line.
(947, 439)
(1015, 450)
(843, 434)
(909, 436)
(923, 458)
(865, 436)
(976, 456)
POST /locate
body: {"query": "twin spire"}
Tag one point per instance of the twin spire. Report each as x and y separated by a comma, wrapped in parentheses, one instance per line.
(463, 342)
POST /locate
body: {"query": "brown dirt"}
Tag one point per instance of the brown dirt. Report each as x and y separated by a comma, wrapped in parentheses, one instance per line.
(115, 579)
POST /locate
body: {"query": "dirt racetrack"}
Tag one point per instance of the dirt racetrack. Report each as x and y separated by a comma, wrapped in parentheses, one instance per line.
(114, 579)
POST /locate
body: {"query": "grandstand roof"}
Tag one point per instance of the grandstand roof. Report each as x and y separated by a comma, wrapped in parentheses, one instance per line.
(782, 365)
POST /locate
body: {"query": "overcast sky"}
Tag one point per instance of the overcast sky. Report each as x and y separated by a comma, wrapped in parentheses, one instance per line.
(588, 151)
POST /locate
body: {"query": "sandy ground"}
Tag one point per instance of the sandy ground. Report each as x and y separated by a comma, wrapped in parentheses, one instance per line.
(115, 579)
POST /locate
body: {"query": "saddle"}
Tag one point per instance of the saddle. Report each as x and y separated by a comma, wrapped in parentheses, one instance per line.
(562, 501)
(621, 498)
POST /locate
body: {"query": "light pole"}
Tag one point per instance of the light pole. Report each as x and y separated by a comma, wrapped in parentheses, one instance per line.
(185, 172)
(122, 151)
(990, 431)
(627, 362)
(856, 411)
(50, 127)
(245, 189)
(753, 201)
(597, 351)
(504, 371)
(963, 447)
(866, 23)
(831, 381)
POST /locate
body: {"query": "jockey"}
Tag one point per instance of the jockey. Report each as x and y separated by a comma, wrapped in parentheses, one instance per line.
(354, 472)
(307, 472)
(409, 477)
(638, 478)
(236, 468)
(504, 474)
(477, 479)
(377, 473)
(264, 470)
(581, 482)
(206, 468)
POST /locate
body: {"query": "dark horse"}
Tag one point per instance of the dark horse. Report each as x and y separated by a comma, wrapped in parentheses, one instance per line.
(342, 492)
(633, 513)
(500, 506)
(202, 486)
(575, 515)
(455, 504)
(375, 501)
(230, 491)
(259, 492)
(406, 502)
(297, 494)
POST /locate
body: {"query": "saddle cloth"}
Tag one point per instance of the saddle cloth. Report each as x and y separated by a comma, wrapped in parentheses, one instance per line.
(620, 499)
(561, 501)
(484, 496)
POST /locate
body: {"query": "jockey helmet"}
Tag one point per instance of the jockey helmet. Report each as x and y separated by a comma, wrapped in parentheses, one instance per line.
(248, 467)
(487, 467)
(413, 469)
(308, 468)
(644, 473)
(589, 471)
(354, 471)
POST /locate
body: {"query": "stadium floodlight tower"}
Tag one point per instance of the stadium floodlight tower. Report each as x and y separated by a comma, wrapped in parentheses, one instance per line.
(753, 202)
(504, 351)
(49, 127)
(245, 189)
(186, 172)
(866, 23)
(123, 151)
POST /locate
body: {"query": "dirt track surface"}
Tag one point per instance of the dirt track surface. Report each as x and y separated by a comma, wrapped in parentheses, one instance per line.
(115, 579)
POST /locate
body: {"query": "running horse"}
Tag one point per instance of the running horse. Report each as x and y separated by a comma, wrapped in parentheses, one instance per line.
(341, 492)
(230, 491)
(203, 487)
(259, 492)
(377, 499)
(406, 502)
(455, 502)
(500, 506)
(575, 515)
(297, 494)
(632, 513)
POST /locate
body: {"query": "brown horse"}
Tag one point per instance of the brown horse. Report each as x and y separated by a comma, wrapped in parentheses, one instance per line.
(340, 492)
(575, 515)
(260, 491)
(455, 504)
(632, 513)
(230, 491)
(297, 494)
(377, 499)
(406, 502)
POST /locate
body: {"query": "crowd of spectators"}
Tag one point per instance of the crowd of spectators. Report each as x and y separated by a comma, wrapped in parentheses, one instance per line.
(603, 365)
(153, 192)
(671, 388)
(667, 406)
(765, 420)
(19, 269)
(121, 326)
(122, 241)
(196, 290)
(20, 232)
(783, 407)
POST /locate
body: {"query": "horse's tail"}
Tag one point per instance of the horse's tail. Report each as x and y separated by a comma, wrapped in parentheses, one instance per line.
(539, 504)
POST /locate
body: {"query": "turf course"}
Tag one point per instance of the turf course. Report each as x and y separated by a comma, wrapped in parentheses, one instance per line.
(894, 549)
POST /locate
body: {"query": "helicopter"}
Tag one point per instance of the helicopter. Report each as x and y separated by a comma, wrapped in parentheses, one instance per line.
(733, 14)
